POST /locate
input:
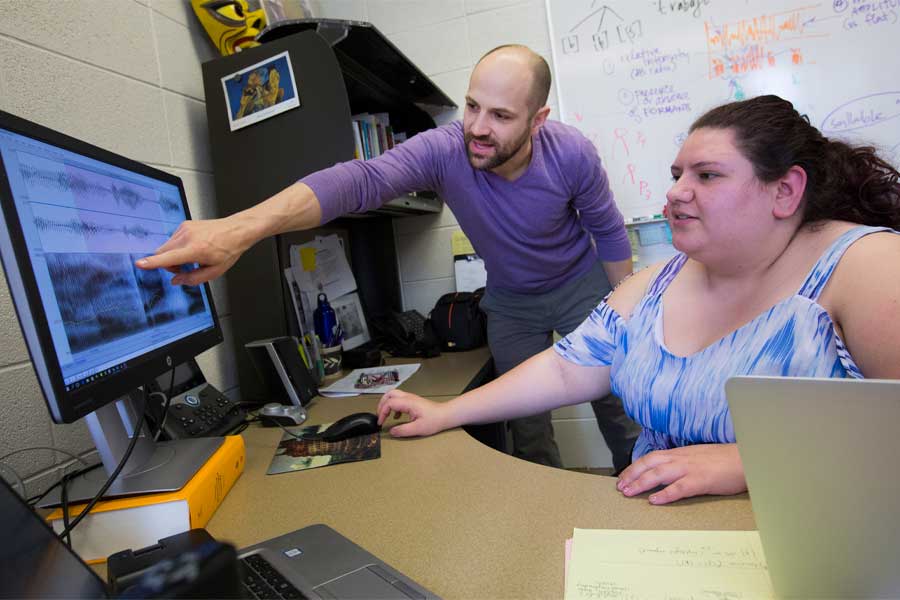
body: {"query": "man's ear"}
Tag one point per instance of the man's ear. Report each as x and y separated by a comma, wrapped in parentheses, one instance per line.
(539, 118)
(789, 190)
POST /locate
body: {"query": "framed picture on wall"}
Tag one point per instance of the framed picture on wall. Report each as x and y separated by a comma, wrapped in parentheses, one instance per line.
(348, 310)
(260, 91)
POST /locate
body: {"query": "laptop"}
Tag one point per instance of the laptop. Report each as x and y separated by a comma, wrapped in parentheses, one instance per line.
(822, 462)
(313, 562)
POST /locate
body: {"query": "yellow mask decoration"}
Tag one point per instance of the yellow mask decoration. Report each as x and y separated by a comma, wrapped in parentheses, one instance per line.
(230, 24)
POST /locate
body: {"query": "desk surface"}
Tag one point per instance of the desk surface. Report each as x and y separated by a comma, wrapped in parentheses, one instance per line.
(460, 518)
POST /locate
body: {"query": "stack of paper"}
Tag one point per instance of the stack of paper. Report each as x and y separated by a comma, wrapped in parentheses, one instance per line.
(622, 564)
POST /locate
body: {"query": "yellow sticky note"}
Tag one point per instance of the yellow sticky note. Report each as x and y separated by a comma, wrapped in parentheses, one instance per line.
(461, 244)
(308, 259)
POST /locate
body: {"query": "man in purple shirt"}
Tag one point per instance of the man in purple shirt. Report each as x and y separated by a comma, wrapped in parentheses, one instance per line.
(529, 193)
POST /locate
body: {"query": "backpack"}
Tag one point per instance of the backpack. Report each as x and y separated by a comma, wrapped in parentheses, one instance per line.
(406, 334)
(459, 322)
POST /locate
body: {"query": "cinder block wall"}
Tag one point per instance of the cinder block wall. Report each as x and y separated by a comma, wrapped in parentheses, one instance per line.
(124, 75)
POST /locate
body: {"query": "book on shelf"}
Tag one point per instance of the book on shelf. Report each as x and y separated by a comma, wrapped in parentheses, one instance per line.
(373, 134)
(357, 140)
(139, 521)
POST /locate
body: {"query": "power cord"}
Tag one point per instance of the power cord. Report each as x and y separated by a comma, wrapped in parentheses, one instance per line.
(29, 449)
(273, 420)
(134, 438)
(167, 400)
(37, 498)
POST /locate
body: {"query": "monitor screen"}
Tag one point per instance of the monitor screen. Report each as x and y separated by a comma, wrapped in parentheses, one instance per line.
(76, 218)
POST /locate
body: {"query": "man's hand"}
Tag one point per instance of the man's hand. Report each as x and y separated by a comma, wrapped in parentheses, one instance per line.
(425, 416)
(688, 471)
(215, 245)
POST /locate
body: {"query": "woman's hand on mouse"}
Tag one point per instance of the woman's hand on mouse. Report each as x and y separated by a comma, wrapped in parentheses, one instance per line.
(425, 417)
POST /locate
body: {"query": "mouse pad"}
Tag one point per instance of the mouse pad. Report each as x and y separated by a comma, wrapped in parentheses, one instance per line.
(294, 454)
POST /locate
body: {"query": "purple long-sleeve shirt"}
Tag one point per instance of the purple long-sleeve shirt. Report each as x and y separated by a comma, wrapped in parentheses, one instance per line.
(527, 231)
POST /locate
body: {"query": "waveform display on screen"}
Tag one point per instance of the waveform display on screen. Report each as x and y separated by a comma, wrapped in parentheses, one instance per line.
(89, 229)
(87, 184)
(103, 297)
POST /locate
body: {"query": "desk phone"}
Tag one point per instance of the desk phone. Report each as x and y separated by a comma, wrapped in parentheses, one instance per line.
(197, 409)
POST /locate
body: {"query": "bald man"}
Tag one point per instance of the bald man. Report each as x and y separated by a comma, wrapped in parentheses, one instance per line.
(530, 194)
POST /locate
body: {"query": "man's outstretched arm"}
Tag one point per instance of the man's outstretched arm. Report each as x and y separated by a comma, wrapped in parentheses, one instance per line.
(216, 244)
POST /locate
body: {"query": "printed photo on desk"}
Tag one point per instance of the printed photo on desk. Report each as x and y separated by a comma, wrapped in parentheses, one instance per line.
(260, 91)
(293, 454)
(371, 380)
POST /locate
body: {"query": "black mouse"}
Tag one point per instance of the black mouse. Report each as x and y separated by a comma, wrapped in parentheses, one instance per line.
(350, 426)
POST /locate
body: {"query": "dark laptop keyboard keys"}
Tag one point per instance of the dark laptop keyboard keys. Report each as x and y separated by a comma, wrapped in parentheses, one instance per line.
(262, 581)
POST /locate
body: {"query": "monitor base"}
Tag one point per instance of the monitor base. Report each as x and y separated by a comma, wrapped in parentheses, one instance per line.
(169, 467)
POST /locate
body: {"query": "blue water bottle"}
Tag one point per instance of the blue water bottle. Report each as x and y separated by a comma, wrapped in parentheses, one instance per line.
(325, 321)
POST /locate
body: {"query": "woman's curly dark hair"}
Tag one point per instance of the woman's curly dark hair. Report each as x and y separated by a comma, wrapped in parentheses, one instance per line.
(844, 182)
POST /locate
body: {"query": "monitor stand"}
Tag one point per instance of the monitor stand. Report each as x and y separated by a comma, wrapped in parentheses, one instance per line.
(153, 467)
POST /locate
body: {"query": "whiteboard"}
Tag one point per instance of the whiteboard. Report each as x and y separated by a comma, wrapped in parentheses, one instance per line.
(633, 75)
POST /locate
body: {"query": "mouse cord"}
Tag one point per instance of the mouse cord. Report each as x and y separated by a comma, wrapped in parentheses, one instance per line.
(273, 420)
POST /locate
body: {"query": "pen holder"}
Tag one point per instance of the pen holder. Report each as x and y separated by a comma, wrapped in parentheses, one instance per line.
(332, 357)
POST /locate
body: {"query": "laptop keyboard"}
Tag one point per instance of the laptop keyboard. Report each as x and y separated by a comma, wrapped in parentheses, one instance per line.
(261, 580)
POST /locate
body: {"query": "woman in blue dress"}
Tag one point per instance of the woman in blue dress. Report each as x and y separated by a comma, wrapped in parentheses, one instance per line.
(788, 264)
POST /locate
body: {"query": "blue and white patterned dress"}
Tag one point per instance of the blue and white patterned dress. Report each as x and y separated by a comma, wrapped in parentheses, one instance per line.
(680, 401)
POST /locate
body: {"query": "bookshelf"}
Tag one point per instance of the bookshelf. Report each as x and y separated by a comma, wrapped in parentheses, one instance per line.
(341, 68)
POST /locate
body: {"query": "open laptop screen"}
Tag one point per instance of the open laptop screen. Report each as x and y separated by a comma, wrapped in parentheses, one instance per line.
(34, 563)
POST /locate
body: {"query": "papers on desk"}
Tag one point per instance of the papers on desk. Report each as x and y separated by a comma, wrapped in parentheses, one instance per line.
(620, 564)
(372, 380)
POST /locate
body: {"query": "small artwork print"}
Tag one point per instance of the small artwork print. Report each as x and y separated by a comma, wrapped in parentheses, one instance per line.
(367, 381)
(349, 312)
(260, 91)
(301, 453)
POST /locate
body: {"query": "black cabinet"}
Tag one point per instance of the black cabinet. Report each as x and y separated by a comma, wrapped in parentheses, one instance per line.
(340, 68)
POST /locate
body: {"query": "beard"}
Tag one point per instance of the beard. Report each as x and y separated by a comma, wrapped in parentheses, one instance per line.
(502, 151)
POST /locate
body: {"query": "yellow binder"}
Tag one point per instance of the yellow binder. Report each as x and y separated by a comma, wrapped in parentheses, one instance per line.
(139, 521)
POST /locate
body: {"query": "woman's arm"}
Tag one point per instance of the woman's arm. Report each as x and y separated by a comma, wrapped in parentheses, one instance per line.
(543, 382)
(863, 297)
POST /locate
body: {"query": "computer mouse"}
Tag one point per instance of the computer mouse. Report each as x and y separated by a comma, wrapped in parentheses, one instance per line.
(287, 415)
(350, 426)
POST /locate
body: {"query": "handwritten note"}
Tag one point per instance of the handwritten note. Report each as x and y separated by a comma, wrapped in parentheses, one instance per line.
(611, 564)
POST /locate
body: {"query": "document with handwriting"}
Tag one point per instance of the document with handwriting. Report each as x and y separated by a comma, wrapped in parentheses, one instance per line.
(612, 564)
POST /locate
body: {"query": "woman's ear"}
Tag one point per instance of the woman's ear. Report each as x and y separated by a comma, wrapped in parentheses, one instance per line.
(789, 190)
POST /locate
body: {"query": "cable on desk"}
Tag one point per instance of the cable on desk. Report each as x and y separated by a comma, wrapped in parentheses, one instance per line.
(37, 498)
(112, 477)
(29, 449)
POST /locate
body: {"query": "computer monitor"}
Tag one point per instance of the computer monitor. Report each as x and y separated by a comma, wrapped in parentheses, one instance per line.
(74, 219)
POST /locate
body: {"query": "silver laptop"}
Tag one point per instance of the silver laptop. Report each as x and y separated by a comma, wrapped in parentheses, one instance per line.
(321, 563)
(822, 461)
(313, 562)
